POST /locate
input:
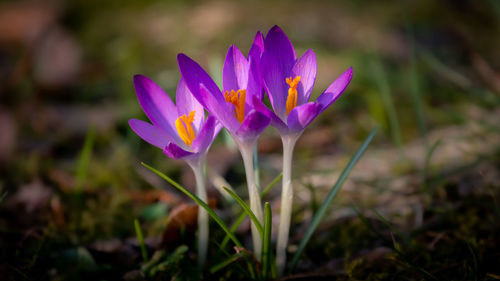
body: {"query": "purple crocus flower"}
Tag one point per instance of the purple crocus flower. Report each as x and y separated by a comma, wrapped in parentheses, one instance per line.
(241, 83)
(288, 82)
(234, 108)
(182, 132)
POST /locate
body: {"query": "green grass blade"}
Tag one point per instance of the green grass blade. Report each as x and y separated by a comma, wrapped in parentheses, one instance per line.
(198, 201)
(270, 185)
(140, 237)
(243, 215)
(329, 198)
(226, 262)
(427, 165)
(415, 91)
(2, 197)
(266, 241)
(246, 209)
(233, 228)
(84, 159)
(396, 248)
(390, 226)
(386, 96)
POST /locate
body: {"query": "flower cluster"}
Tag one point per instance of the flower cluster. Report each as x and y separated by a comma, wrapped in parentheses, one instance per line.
(183, 132)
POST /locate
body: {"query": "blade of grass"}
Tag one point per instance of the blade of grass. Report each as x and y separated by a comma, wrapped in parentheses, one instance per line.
(415, 87)
(270, 185)
(386, 96)
(84, 159)
(243, 215)
(266, 241)
(140, 237)
(226, 262)
(318, 216)
(474, 260)
(2, 197)
(390, 226)
(198, 201)
(427, 164)
(246, 209)
(396, 248)
(249, 274)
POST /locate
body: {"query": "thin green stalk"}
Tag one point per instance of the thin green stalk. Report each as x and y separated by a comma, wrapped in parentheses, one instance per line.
(84, 160)
(427, 165)
(415, 88)
(270, 185)
(243, 215)
(385, 94)
(140, 237)
(396, 246)
(198, 201)
(246, 209)
(389, 225)
(329, 198)
(266, 243)
(226, 262)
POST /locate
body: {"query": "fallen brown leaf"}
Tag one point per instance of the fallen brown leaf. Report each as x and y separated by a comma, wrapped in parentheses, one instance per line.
(183, 219)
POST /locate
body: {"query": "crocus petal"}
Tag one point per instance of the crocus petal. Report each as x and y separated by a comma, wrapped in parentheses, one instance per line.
(149, 133)
(257, 47)
(254, 86)
(274, 83)
(279, 46)
(194, 75)
(305, 67)
(187, 103)
(302, 115)
(335, 90)
(218, 109)
(157, 105)
(206, 136)
(172, 150)
(235, 70)
(275, 120)
(253, 125)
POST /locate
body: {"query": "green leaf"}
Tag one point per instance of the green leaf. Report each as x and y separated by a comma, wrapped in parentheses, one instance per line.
(84, 159)
(329, 198)
(140, 237)
(246, 209)
(226, 262)
(266, 241)
(270, 185)
(243, 215)
(390, 226)
(198, 201)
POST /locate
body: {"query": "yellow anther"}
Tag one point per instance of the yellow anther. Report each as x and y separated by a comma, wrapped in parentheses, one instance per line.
(237, 98)
(185, 128)
(291, 100)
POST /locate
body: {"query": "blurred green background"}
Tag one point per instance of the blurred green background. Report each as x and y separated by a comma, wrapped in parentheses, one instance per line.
(427, 72)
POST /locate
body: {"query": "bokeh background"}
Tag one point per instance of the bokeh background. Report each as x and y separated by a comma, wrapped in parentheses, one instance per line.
(71, 182)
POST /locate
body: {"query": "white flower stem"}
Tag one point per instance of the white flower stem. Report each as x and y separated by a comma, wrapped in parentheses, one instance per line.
(286, 202)
(201, 192)
(247, 151)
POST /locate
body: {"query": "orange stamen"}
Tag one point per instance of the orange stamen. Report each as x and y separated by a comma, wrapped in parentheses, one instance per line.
(291, 100)
(185, 128)
(237, 98)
